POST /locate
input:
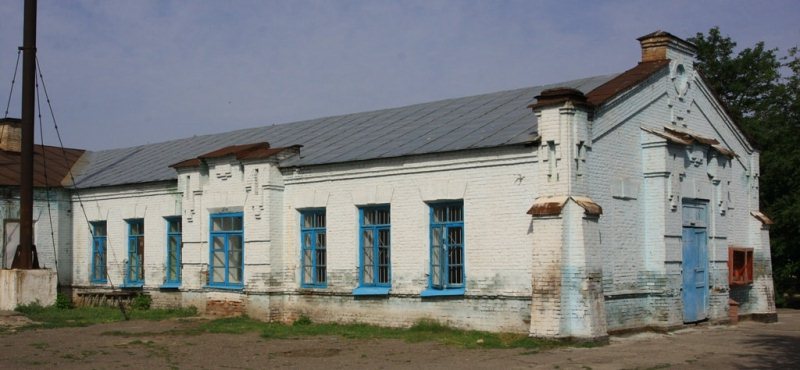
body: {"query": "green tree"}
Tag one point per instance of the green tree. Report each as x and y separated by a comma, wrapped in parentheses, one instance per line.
(766, 103)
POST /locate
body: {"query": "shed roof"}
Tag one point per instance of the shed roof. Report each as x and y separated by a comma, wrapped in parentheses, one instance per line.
(50, 165)
(482, 121)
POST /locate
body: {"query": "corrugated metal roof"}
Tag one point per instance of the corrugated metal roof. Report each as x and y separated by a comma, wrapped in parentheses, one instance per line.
(482, 121)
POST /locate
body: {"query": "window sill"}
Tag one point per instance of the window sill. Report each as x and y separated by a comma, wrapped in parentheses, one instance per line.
(170, 286)
(430, 292)
(371, 290)
(132, 286)
(313, 287)
(224, 287)
(99, 282)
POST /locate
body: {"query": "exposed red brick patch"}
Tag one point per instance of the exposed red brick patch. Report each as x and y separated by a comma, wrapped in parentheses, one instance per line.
(224, 308)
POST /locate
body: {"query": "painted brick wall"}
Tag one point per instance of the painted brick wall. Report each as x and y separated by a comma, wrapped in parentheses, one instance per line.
(52, 228)
(642, 227)
(150, 202)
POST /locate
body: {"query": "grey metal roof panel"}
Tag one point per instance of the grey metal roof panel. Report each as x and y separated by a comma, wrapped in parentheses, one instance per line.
(488, 120)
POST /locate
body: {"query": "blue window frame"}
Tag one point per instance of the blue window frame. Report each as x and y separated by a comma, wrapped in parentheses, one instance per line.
(134, 266)
(98, 229)
(313, 243)
(174, 246)
(226, 269)
(374, 250)
(447, 273)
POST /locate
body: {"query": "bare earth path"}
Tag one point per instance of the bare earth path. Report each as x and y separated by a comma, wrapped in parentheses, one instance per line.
(748, 345)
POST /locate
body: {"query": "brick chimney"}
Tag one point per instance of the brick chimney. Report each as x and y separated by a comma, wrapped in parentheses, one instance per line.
(662, 45)
(10, 134)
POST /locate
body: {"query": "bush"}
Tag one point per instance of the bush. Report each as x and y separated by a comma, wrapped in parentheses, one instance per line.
(141, 302)
(63, 302)
(302, 320)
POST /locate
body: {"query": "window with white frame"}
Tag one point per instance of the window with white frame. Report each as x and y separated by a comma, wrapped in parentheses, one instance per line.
(375, 243)
(226, 268)
(313, 248)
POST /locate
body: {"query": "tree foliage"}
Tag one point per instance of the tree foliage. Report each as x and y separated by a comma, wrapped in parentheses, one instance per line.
(762, 93)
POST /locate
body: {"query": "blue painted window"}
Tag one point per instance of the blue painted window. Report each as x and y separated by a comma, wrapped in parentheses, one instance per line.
(173, 278)
(226, 269)
(447, 248)
(134, 266)
(313, 257)
(375, 247)
(98, 252)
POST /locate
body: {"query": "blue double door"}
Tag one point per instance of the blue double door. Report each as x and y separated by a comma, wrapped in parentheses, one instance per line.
(695, 262)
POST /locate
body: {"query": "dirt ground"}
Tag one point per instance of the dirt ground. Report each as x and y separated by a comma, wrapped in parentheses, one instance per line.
(748, 345)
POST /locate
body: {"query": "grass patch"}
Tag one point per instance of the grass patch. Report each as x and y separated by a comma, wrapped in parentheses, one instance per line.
(54, 317)
(422, 331)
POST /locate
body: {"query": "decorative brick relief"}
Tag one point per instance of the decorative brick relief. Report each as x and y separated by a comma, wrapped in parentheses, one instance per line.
(625, 188)
(223, 171)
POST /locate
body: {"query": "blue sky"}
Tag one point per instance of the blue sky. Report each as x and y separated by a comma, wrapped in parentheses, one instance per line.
(124, 73)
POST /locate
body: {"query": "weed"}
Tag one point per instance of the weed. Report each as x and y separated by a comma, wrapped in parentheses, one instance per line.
(53, 317)
(63, 302)
(141, 302)
(302, 320)
(420, 332)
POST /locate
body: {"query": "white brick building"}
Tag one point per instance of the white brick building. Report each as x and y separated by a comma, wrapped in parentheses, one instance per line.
(579, 209)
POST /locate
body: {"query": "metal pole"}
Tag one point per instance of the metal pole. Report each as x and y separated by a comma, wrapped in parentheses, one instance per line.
(26, 155)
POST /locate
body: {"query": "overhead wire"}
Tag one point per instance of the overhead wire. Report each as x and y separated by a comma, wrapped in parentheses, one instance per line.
(46, 183)
(11, 93)
(72, 177)
(13, 80)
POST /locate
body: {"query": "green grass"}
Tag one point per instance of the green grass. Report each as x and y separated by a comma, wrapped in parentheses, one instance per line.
(53, 317)
(420, 332)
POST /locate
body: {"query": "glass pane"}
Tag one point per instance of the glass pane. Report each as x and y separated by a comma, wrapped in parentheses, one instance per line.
(320, 275)
(321, 240)
(307, 267)
(218, 265)
(455, 214)
(234, 256)
(454, 236)
(320, 268)
(320, 219)
(99, 229)
(307, 241)
(436, 256)
(439, 214)
(383, 265)
(235, 242)
(219, 243)
(383, 237)
(236, 223)
(216, 224)
(383, 217)
(174, 226)
(235, 275)
(369, 217)
(369, 260)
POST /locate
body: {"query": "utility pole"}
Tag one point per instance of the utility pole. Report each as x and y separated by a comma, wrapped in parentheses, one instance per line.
(25, 255)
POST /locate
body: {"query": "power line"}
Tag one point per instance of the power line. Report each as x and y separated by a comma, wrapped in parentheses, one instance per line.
(71, 175)
(13, 79)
